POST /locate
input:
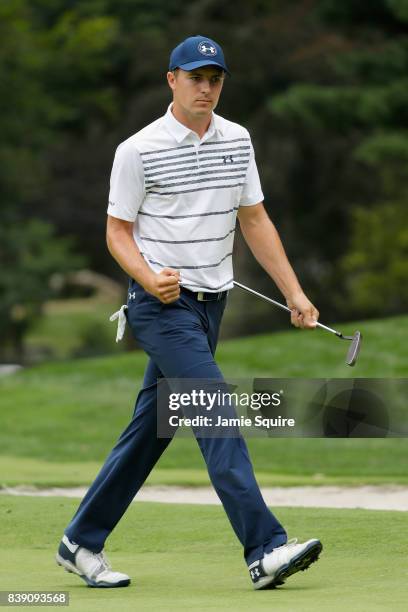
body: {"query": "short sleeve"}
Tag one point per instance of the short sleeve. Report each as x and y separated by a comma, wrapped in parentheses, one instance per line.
(127, 188)
(252, 191)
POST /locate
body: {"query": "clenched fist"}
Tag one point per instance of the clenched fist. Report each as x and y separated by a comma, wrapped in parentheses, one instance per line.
(165, 285)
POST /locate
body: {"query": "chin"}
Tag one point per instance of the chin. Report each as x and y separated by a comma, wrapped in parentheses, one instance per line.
(204, 112)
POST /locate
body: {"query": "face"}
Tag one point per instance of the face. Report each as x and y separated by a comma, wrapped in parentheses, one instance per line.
(196, 92)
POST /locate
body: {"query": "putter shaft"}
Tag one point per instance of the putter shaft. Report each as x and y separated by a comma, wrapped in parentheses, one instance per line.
(283, 307)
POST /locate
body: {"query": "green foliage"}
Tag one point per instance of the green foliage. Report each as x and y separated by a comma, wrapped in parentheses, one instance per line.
(326, 103)
(365, 103)
(339, 108)
(317, 108)
(30, 253)
(67, 323)
(81, 58)
(50, 76)
(387, 153)
(399, 8)
(95, 338)
(387, 61)
(359, 14)
(25, 107)
(388, 148)
(376, 265)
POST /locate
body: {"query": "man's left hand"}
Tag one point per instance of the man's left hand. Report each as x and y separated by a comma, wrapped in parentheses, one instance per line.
(304, 314)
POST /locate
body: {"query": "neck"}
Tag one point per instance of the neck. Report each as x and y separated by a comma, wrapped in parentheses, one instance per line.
(199, 125)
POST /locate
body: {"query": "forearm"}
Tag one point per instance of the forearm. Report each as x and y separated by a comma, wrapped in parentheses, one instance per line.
(125, 251)
(266, 246)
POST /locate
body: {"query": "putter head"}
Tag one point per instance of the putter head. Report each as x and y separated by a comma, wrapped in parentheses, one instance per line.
(354, 349)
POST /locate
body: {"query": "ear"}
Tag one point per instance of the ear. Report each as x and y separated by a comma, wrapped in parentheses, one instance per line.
(171, 80)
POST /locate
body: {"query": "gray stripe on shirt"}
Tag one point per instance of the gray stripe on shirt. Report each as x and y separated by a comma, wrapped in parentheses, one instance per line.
(198, 189)
(189, 241)
(203, 144)
(224, 150)
(220, 165)
(167, 150)
(176, 183)
(206, 214)
(153, 166)
(212, 172)
(229, 151)
(177, 267)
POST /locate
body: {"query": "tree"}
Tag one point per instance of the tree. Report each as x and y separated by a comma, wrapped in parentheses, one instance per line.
(376, 265)
(319, 83)
(30, 253)
(360, 113)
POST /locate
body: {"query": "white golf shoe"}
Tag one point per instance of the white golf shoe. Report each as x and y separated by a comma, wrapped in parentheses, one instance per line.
(282, 562)
(94, 568)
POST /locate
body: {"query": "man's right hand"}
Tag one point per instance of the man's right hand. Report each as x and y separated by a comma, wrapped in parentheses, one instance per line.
(165, 285)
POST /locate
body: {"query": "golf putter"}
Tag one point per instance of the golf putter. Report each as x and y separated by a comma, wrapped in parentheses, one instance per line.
(355, 340)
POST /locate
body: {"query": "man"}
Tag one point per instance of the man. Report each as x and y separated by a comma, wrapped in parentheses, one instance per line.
(177, 187)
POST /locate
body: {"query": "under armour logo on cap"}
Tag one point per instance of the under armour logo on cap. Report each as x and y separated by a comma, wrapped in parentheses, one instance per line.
(206, 48)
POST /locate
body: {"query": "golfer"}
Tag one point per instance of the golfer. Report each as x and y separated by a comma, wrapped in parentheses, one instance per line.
(177, 187)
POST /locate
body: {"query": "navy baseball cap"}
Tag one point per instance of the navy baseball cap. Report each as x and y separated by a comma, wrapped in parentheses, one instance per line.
(197, 51)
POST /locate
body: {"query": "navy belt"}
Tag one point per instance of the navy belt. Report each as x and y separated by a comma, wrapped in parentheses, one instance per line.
(202, 296)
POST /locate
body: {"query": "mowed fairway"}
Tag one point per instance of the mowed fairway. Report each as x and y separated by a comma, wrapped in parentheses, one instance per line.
(187, 557)
(59, 420)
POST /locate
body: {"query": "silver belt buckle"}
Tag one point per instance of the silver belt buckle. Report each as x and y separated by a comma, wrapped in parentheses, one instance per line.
(201, 297)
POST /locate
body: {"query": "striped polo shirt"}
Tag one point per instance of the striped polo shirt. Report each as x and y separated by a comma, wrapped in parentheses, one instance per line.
(182, 194)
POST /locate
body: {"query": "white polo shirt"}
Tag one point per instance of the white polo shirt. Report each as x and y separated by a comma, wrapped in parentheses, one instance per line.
(183, 194)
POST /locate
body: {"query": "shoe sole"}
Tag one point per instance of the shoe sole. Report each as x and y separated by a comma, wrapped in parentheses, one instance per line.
(70, 567)
(297, 564)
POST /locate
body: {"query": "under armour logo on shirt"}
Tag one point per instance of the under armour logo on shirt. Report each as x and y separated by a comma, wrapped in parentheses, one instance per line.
(132, 296)
(228, 159)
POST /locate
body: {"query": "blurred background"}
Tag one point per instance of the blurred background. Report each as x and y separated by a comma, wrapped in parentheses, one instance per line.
(322, 86)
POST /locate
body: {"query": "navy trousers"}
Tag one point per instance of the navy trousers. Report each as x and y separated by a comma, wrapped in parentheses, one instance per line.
(180, 340)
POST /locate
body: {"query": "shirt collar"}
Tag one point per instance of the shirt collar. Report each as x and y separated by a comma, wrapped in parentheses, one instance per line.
(180, 131)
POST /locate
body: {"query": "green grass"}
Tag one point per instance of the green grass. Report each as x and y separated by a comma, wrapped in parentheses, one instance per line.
(67, 323)
(318, 354)
(56, 417)
(295, 353)
(187, 557)
(21, 470)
